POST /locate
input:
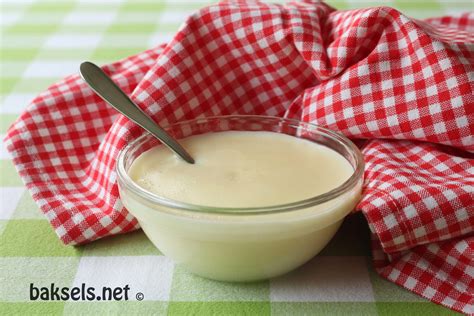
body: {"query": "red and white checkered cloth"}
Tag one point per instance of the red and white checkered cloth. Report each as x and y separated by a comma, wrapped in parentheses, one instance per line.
(402, 85)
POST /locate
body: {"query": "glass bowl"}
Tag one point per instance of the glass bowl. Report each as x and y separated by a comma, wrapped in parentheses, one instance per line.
(241, 244)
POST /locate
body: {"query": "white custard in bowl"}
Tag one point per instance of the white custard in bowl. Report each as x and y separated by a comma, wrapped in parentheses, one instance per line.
(250, 220)
(242, 169)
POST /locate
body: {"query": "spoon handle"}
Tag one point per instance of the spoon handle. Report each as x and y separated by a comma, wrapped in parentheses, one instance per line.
(113, 95)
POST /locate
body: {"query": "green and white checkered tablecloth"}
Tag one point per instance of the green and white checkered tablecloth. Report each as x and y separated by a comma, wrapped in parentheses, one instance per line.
(42, 41)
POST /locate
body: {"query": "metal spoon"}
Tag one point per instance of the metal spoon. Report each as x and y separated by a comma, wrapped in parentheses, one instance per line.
(113, 95)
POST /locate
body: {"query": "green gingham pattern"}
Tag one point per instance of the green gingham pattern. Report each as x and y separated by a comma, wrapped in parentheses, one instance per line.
(43, 41)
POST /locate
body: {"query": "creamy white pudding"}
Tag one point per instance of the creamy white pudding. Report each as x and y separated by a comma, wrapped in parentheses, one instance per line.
(242, 169)
(216, 218)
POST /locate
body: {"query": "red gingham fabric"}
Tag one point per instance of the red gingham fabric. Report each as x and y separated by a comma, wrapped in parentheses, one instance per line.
(402, 88)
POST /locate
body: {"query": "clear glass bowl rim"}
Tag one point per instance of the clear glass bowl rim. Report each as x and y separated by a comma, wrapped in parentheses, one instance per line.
(128, 184)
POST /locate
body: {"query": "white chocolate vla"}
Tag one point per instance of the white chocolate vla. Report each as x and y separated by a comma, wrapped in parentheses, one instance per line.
(240, 170)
